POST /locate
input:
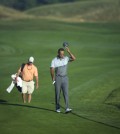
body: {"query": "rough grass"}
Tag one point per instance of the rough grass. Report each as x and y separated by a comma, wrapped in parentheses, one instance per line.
(9, 13)
(83, 11)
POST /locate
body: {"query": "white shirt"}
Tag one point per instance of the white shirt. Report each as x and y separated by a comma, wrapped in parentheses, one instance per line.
(60, 65)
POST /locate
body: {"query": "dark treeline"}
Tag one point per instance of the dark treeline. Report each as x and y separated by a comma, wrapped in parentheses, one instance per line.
(26, 4)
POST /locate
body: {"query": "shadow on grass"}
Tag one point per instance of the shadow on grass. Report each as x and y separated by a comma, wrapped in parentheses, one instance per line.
(118, 106)
(113, 98)
(4, 102)
(95, 121)
(86, 118)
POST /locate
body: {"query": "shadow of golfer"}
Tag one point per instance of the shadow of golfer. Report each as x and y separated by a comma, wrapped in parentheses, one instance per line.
(95, 121)
(86, 118)
(3, 102)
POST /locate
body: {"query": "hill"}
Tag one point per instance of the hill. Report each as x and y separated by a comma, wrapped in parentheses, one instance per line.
(9, 13)
(92, 11)
(82, 11)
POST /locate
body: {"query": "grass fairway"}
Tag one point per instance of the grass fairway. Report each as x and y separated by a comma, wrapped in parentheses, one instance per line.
(94, 77)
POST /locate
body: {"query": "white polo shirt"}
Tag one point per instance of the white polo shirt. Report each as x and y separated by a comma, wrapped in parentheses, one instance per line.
(60, 65)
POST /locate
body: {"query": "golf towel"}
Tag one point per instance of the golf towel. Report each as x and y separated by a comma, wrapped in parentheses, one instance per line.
(19, 83)
(10, 88)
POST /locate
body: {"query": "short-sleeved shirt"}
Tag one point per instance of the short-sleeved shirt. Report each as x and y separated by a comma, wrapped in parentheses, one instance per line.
(29, 71)
(60, 65)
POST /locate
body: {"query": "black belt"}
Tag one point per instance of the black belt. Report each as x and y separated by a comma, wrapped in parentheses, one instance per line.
(61, 75)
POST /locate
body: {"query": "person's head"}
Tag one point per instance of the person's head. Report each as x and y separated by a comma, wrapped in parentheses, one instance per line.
(61, 53)
(30, 60)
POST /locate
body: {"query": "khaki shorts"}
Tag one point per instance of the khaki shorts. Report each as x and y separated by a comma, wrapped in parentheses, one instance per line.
(27, 87)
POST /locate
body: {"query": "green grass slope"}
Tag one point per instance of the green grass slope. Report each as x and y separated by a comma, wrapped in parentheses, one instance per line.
(94, 77)
(84, 11)
(9, 13)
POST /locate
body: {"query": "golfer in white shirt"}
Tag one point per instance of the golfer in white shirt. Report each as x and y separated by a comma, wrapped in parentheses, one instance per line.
(58, 71)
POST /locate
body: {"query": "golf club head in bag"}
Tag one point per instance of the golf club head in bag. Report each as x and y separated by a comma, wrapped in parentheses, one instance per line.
(65, 44)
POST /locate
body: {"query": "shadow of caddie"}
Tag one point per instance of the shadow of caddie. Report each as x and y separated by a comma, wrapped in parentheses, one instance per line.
(4, 102)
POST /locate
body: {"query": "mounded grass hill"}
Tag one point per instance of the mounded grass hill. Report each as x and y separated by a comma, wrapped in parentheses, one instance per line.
(9, 13)
(88, 10)
(83, 11)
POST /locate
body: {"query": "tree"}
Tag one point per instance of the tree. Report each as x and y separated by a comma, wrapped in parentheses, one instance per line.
(24, 4)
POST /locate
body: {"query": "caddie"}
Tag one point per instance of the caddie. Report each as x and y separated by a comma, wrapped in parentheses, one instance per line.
(28, 73)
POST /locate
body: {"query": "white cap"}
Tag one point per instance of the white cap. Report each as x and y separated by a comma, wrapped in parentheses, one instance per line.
(31, 59)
